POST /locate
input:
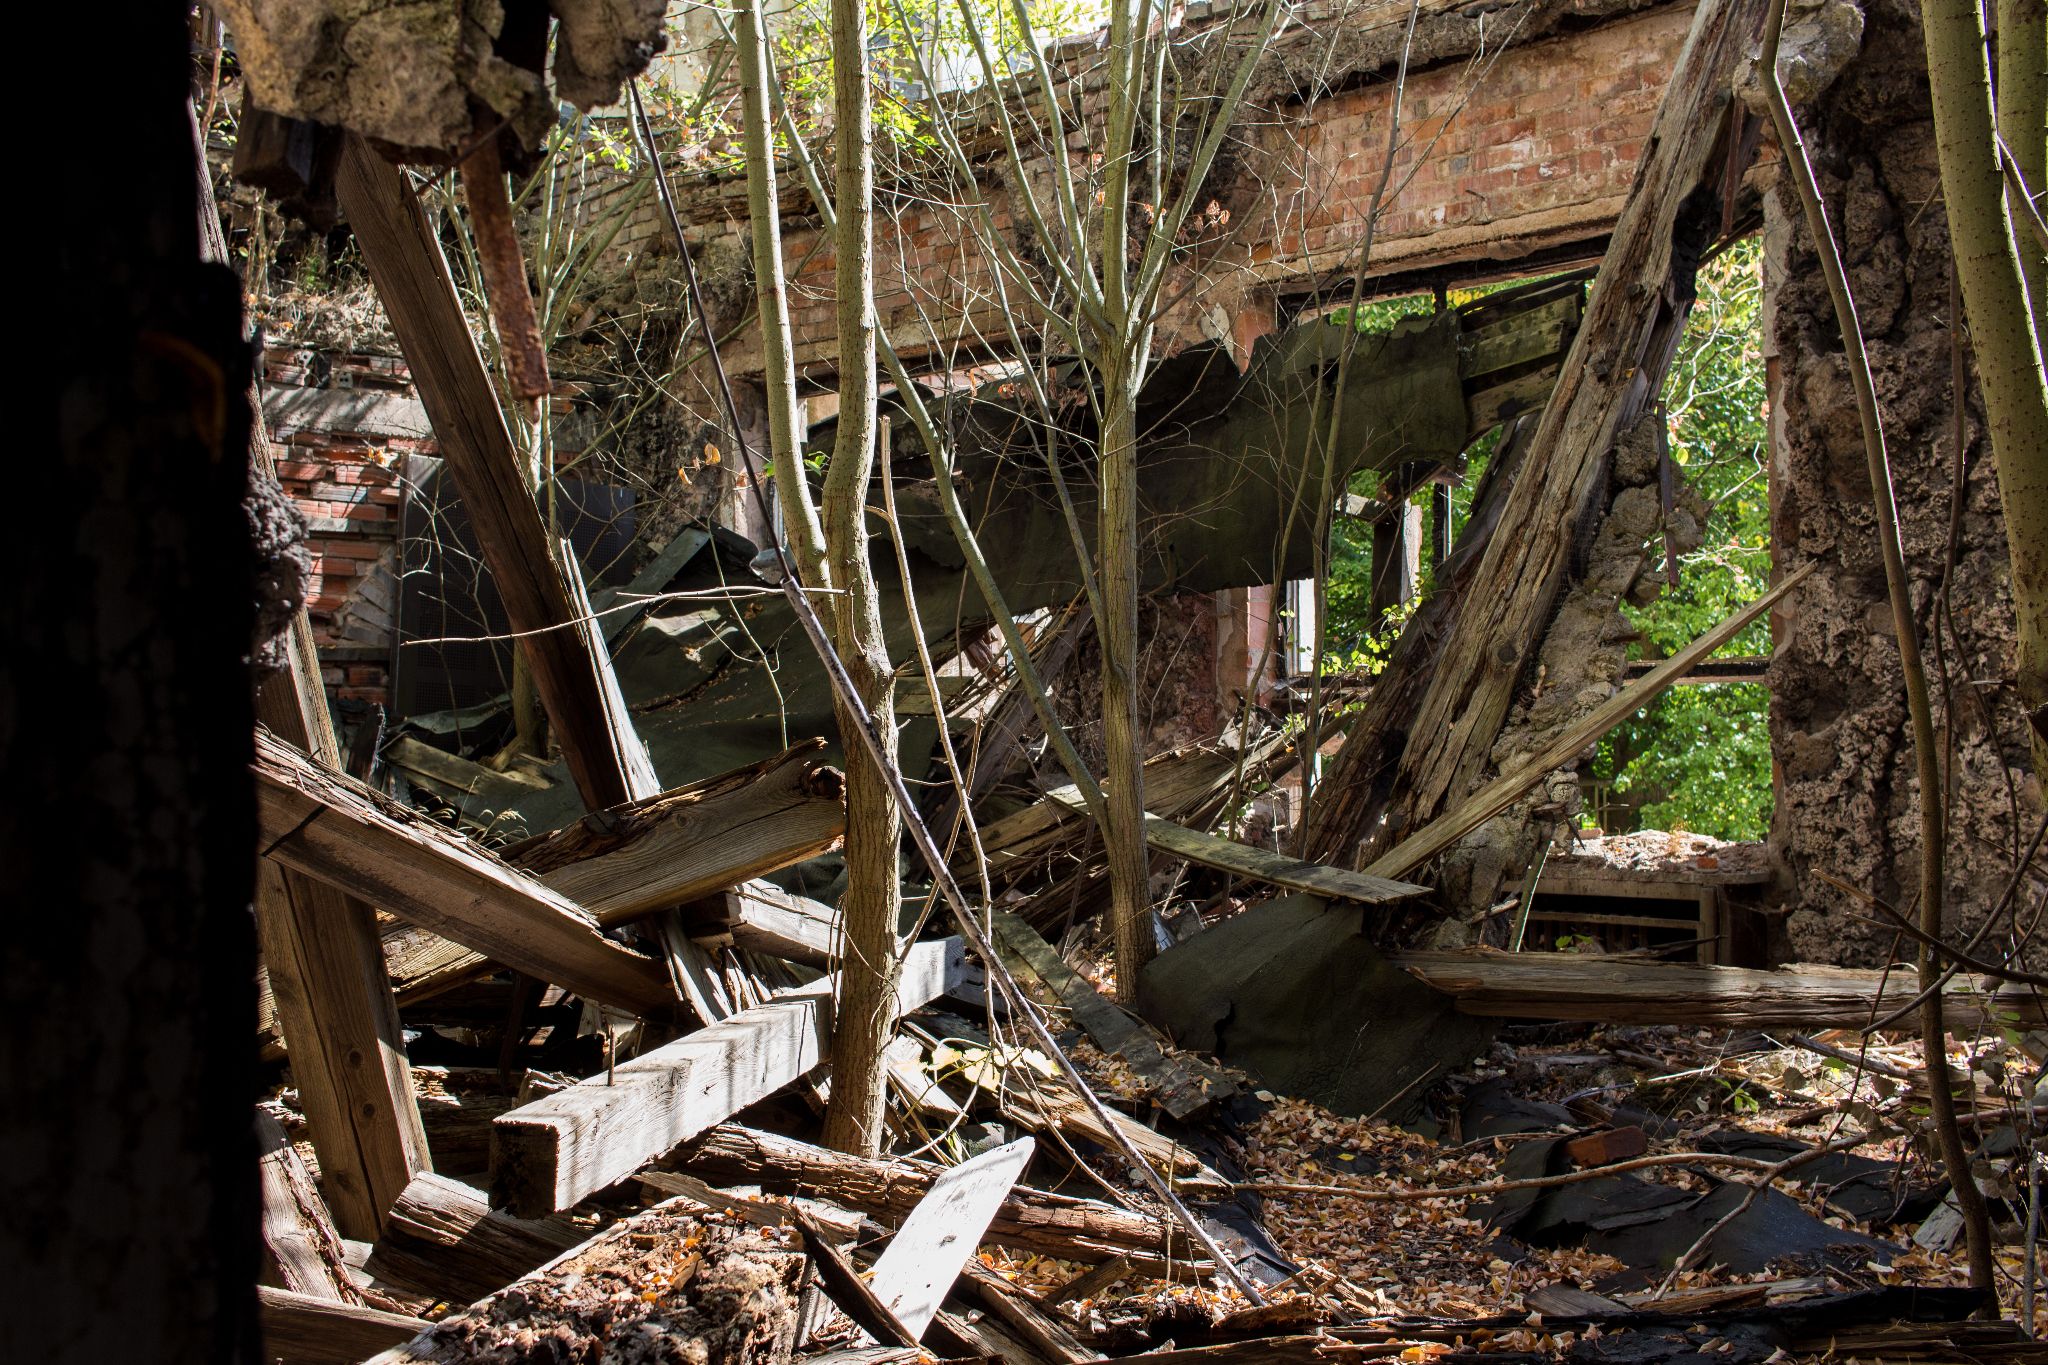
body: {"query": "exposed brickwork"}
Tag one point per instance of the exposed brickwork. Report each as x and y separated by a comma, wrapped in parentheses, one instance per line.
(347, 486)
(1530, 147)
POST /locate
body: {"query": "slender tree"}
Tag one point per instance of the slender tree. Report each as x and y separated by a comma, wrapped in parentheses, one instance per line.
(872, 904)
(2004, 339)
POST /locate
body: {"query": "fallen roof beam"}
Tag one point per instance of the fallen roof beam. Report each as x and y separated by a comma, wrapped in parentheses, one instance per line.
(1504, 790)
(548, 1154)
(763, 918)
(655, 855)
(570, 668)
(1592, 989)
(333, 828)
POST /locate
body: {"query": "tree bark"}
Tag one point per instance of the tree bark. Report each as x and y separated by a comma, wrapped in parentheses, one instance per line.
(2002, 334)
(864, 1018)
(126, 715)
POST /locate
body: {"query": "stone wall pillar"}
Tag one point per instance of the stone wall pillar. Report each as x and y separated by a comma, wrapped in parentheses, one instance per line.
(1844, 767)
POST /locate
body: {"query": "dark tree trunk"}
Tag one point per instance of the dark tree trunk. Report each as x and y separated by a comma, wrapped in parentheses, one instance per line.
(128, 1162)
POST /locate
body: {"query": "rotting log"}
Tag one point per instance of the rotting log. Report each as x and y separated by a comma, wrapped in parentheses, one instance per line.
(1028, 1219)
(568, 662)
(446, 1241)
(1594, 989)
(299, 1329)
(1440, 706)
(550, 1153)
(1182, 1087)
(334, 828)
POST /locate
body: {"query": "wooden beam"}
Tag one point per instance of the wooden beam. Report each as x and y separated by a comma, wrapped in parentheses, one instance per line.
(413, 283)
(762, 917)
(1028, 1219)
(1570, 986)
(299, 1329)
(548, 1154)
(1256, 864)
(697, 840)
(679, 847)
(324, 973)
(1439, 707)
(1504, 790)
(334, 828)
(1181, 1090)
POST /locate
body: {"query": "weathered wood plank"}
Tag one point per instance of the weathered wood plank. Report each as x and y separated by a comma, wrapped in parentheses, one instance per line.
(302, 1250)
(331, 827)
(329, 997)
(1571, 986)
(1027, 1220)
(548, 1154)
(418, 293)
(697, 840)
(299, 1329)
(916, 1270)
(1180, 1090)
(766, 919)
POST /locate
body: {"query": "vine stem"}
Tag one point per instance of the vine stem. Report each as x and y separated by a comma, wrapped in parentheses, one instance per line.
(1933, 1028)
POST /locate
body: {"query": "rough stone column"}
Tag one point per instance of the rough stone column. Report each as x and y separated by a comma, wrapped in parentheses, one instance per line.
(1839, 736)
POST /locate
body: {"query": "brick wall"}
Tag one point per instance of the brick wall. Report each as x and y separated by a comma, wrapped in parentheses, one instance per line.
(341, 427)
(1516, 151)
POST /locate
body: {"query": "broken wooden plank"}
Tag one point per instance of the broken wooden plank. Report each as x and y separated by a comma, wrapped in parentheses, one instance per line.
(1028, 1219)
(678, 847)
(1504, 790)
(302, 1250)
(300, 1329)
(1591, 988)
(323, 973)
(548, 1154)
(1256, 864)
(418, 293)
(916, 1270)
(1181, 1089)
(764, 918)
(446, 1241)
(696, 840)
(331, 827)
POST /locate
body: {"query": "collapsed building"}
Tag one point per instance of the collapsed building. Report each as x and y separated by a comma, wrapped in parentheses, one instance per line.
(567, 764)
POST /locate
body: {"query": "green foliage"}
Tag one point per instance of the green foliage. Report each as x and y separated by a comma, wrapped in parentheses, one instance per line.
(1704, 753)
(906, 41)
